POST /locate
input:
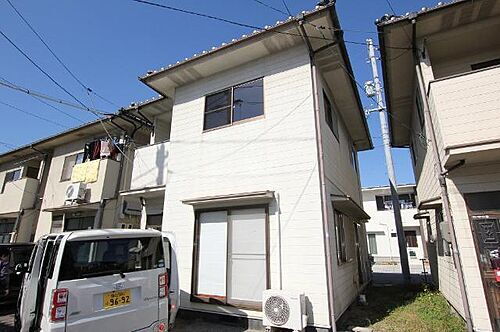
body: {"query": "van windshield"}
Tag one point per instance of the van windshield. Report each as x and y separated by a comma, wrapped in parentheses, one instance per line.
(93, 258)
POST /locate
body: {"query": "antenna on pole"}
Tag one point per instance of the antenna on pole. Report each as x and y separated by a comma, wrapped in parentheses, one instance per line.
(374, 89)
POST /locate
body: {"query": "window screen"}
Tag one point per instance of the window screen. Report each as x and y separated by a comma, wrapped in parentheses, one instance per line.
(247, 255)
(93, 258)
(372, 244)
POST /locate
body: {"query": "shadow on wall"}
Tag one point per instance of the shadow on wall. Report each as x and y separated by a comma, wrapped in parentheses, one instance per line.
(160, 163)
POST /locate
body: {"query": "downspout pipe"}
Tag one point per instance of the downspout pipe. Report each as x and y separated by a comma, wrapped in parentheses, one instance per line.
(441, 171)
(321, 168)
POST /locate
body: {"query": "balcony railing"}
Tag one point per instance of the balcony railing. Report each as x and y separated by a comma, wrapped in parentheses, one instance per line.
(150, 166)
(466, 109)
(18, 195)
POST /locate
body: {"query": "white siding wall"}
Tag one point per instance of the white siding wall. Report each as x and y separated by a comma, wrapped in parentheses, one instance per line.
(341, 178)
(277, 152)
(473, 178)
(467, 107)
(455, 103)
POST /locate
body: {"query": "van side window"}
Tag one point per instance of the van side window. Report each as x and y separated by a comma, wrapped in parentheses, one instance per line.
(93, 258)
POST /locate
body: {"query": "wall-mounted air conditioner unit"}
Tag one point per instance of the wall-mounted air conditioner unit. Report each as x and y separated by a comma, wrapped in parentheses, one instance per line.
(284, 310)
(75, 192)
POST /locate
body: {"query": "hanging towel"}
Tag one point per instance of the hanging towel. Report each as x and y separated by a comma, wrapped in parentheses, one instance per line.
(92, 173)
(105, 149)
(79, 172)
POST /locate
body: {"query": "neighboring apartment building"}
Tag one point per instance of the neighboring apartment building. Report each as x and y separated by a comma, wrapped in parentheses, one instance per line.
(381, 230)
(68, 181)
(262, 181)
(443, 98)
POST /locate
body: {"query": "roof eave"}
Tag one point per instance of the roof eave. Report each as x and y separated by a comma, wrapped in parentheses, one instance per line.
(343, 49)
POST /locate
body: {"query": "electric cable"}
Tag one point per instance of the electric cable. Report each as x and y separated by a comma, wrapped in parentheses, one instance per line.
(270, 7)
(41, 69)
(246, 25)
(34, 115)
(55, 55)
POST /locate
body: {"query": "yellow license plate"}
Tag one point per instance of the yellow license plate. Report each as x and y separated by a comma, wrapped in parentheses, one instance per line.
(117, 299)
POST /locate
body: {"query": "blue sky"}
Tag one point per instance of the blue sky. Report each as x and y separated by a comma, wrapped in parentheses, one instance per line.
(108, 44)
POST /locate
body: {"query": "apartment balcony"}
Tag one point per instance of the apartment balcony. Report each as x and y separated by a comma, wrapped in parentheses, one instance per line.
(18, 195)
(150, 164)
(99, 180)
(466, 111)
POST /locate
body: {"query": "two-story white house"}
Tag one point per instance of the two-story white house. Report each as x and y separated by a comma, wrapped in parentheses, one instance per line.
(262, 182)
(381, 230)
(442, 85)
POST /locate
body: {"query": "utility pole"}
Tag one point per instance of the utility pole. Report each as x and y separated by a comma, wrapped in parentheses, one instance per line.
(374, 89)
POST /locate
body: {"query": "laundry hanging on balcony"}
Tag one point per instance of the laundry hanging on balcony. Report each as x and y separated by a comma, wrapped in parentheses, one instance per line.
(87, 172)
(101, 149)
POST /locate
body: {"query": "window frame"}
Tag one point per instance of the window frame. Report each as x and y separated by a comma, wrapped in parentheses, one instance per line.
(231, 106)
(374, 237)
(340, 236)
(331, 116)
(14, 171)
(411, 238)
(75, 156)
(223, 300)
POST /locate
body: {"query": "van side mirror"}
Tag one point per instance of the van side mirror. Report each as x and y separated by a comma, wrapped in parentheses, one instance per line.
(21, 268)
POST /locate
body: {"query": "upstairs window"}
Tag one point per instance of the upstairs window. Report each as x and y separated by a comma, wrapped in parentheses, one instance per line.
(11, 177)
(240, 102)
(406, 201)
(69, 162)
(331, 116)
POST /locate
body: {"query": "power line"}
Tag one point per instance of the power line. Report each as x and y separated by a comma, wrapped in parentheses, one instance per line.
(286, 7)
(247, 25)
(270, 7)
(30, 92)
(34, 115)
(10, 146)
(54, 54)
(47, 104)
(353, 79)
(41, 69)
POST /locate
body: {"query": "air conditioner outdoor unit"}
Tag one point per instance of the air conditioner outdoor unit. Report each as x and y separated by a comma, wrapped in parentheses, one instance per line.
(75, 192)
(284, 310)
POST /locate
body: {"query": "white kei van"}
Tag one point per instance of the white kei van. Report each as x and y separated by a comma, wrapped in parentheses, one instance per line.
(100, 280)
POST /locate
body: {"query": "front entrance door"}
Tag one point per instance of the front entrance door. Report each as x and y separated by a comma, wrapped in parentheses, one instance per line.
(487, 237)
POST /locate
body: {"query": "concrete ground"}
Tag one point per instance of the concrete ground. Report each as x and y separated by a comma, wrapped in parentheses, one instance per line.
(391, 274)
(383, 274)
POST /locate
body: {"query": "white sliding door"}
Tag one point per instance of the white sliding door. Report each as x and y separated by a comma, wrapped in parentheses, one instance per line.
(212, 253)
(247, 255)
